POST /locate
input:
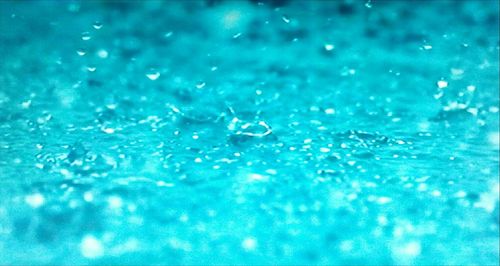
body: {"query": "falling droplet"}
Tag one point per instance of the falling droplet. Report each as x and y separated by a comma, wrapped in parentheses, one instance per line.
(102, 53)
(108, 130)
(285, 19)
(368, 4)
(442, 84)
(200, 85)
(35, 200)
(168, 34)
(427, 47)
(329, 47)
(86, 36)
(97, 25)
(153, 75)
(329, 111)
(81, 52)
(91, 247)
(249, 244)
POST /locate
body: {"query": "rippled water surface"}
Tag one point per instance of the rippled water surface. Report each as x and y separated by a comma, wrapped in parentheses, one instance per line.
(247, 132)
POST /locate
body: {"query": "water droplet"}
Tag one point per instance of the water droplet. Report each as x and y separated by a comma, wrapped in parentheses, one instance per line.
(285, 19)
(438, 95)
(460, 194)
(91, 68)
(329, 47)
(436, 193)
(442, 84)
(494, 138)
(108, 130)
(249, 243)
(383, 200)
(115, 202)
(88, 196)
(411, 249)
(35, 200)
(471, 88)
(74, 7)
(324, 149)
(368, 4)
(330, 111)
(237, 35)
(271, 171)
(26, 104)
(86, 36)
(102, 53)
(153, 75)
(168, 34)
(427, 47)
(97, 25)
(257, 177)
(81, 52)
(200, 85)
(91, 247)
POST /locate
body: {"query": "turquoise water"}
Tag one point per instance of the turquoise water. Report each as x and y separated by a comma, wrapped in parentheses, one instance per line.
(239, 132)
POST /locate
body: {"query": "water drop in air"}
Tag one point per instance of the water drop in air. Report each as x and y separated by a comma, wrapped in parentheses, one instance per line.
(81, 52)
(442, 84)
(285, 19)
(97, 25)
(86, 36)
(102, 53)
(168, 34)
(329, 47)
(200, 85)
(91, 247)
(427, 47)
(153, 75)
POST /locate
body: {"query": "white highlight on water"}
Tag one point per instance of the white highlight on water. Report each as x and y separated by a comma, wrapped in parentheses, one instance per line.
(35, 200)
(91, 247)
